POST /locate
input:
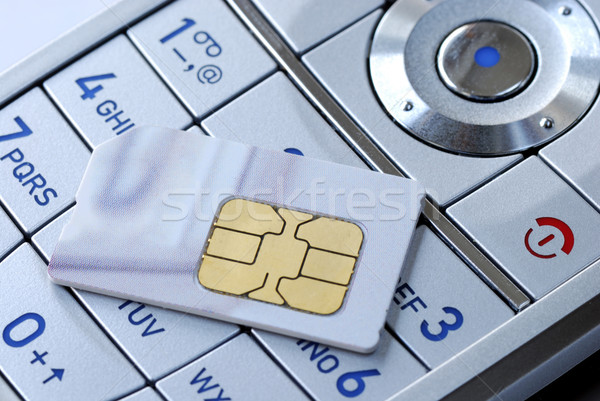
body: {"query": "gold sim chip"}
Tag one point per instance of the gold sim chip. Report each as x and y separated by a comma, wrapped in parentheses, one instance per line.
(281, 256)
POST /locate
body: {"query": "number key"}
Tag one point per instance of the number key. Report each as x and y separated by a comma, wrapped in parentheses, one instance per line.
(440, 306)
(329, 373)
(202, 51)
(41, 160)
(112, 90)
(237, 370)
(49, 346)
(275, 115)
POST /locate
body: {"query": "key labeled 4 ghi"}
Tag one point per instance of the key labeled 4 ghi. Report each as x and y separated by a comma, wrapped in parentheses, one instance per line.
(242, 234)
(104, 93)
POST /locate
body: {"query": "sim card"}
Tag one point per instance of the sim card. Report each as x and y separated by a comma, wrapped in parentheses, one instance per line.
(271, 240)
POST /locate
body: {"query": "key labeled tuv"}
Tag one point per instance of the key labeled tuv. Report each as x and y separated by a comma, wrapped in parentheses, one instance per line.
(280, 242)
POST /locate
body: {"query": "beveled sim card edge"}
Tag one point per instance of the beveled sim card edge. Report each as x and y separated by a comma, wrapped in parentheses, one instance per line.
(356, 326)
(276, 207)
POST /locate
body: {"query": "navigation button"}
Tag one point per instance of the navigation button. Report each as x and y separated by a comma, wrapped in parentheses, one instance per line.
(340, 65)
(486, 61)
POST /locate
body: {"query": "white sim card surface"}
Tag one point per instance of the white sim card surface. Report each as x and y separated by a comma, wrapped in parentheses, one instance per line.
(275, 241)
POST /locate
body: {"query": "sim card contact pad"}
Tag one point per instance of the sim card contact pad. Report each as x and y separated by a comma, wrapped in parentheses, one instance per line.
(281, 256)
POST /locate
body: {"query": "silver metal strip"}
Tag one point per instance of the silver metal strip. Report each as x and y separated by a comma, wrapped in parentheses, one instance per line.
(526, 353)
(372, 154)
(538, 361)
(488, 272)
(45, 61)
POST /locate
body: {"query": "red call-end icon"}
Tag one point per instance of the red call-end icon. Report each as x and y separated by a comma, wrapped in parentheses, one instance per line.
(567, 233)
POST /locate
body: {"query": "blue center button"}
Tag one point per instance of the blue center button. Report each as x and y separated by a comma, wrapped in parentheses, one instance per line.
(487, 57)
(486, 61)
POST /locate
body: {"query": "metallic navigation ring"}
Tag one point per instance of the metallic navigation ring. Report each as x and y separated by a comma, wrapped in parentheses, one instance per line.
(406, 79)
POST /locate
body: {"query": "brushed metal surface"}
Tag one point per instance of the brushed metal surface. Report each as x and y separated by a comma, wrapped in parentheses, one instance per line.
(406, 79)
(486, 61)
